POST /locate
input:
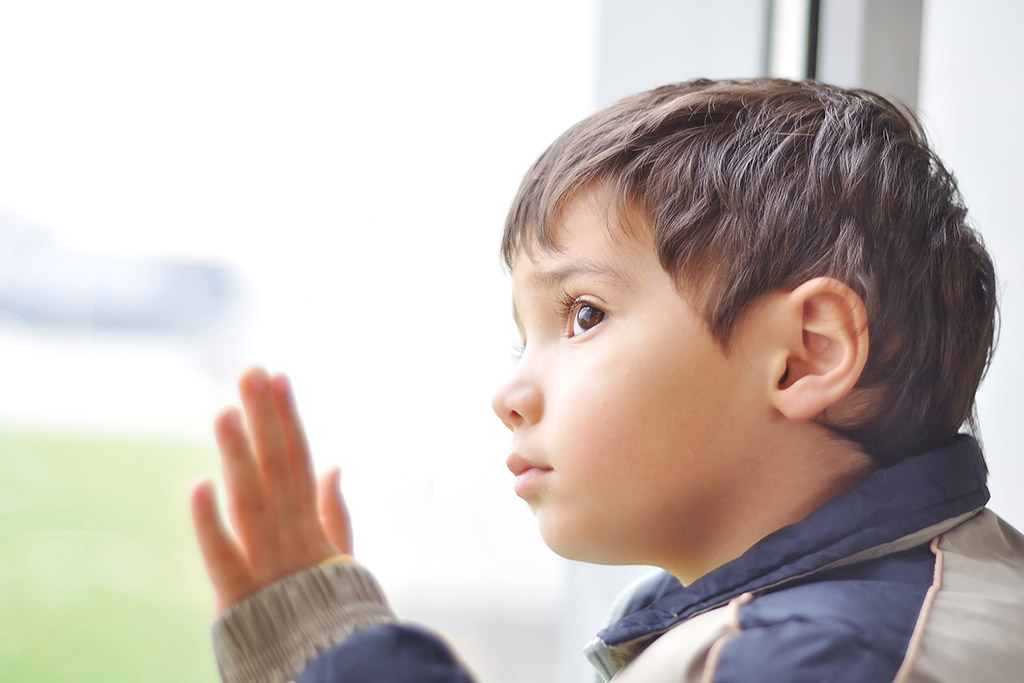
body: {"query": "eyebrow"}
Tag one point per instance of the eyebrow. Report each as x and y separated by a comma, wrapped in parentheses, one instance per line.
(603, 271)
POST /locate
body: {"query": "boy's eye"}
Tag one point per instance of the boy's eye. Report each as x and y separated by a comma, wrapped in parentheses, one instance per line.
(585, 317)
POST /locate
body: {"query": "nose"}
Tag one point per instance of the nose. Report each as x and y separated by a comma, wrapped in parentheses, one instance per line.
(518, 401)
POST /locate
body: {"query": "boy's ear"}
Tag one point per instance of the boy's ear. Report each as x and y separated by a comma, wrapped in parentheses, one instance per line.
(823, 346)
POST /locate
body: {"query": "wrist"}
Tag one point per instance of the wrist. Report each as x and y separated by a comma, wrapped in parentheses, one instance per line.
(271, 635)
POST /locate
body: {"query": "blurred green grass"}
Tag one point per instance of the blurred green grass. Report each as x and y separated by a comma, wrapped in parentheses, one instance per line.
(99, 576)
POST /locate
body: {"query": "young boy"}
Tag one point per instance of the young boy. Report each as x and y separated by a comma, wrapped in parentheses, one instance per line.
(754, 319)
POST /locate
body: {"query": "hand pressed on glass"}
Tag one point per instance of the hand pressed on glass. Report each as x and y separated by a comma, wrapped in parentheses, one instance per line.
(281, 520)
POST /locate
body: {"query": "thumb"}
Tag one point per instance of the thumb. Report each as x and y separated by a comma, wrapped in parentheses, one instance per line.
(334, 518)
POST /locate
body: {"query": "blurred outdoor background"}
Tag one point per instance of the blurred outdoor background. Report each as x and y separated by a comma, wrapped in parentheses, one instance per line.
(190, 188)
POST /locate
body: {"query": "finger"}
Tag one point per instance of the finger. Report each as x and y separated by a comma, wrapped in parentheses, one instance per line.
(305, 533)
(248, 509)
(300, 462)
(225, 564)
(334, 517)
(267, 434)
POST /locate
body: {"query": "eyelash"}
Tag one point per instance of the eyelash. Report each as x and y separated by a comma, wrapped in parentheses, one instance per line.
(570, 305)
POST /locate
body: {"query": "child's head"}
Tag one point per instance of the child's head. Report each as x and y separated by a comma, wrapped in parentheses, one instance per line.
(754, 187)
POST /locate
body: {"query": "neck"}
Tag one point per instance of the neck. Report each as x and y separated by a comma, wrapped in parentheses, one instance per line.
(788, 476)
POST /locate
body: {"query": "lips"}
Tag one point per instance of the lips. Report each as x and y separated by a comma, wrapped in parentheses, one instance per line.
(517, 464)
(528, 474)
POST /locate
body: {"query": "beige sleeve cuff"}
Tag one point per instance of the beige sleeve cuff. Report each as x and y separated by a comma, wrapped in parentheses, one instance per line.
(274, 633)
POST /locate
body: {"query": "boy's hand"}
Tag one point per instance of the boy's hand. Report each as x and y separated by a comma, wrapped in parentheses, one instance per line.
(281, 523)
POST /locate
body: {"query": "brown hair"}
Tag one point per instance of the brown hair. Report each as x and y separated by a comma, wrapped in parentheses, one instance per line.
(758, 186)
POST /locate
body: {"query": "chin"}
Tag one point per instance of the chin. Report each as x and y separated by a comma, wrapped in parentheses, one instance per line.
(580, 542)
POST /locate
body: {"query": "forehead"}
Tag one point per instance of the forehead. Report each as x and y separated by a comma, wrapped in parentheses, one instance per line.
(592, 232)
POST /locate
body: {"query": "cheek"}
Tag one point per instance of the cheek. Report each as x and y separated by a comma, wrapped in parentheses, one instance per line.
(666, 399)
(629, 422)
(661, 422)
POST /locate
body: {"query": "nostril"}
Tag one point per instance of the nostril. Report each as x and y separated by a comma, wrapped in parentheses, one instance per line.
(514, 418)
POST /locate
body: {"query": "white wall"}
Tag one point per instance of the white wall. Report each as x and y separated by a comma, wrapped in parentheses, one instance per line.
(973, 105)
(646, 43)
(872, 44)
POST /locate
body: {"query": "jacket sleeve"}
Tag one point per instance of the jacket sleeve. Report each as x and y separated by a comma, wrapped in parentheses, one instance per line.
(387, 654)
(326, 624)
